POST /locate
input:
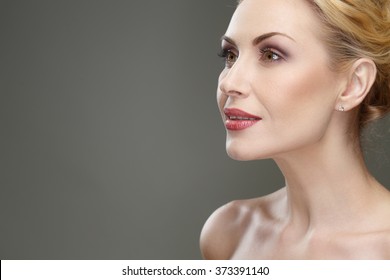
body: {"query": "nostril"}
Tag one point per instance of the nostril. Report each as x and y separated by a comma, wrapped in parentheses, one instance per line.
(230, 91)
(234, 82)
(229, 88)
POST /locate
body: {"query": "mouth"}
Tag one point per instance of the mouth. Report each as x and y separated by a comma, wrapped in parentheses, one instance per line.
(237, 119)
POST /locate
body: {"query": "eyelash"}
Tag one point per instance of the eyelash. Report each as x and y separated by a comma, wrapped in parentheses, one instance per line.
(272, 52)
(224, 53)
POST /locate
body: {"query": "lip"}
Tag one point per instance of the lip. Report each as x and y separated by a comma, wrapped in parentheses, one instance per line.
(237, 119)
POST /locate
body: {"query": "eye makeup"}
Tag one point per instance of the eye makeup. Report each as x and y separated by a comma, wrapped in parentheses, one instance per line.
(267, 46)
(229, 56)
(269, 55)
(272, 45)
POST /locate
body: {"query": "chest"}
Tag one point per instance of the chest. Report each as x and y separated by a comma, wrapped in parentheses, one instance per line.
(272, 245)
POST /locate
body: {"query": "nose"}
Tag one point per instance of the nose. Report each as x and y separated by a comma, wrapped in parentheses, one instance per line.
(234, 81)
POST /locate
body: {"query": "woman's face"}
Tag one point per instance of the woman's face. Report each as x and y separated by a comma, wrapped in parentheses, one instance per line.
(276, 93)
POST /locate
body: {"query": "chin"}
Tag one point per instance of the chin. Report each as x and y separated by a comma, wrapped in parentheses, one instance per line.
(246, 151)
(238, 156)
(241, 153)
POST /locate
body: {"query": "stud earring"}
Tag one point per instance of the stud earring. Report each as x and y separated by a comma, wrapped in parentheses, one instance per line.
(341, 108)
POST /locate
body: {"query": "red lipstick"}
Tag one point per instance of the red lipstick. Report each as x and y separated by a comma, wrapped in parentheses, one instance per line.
(237, 119)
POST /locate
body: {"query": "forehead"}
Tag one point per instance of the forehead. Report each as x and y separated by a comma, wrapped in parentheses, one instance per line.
(292, 17)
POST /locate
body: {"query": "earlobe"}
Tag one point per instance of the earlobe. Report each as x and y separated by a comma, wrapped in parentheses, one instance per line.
(361, 78)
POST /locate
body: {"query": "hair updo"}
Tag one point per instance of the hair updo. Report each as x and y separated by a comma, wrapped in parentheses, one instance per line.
(356, 29)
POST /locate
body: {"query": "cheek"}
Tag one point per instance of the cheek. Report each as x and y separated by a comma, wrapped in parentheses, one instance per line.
(300, 107)
(296, 108)
(305, 94)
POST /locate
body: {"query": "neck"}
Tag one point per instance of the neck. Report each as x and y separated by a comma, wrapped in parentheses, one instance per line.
(327, 184)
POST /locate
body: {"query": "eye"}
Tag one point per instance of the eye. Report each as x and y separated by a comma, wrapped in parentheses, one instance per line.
(229, 57)
(269, 55)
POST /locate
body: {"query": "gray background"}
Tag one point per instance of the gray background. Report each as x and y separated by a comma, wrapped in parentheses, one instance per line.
(111, 143)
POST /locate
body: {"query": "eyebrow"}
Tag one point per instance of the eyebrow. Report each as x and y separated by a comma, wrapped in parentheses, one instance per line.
(258, 39)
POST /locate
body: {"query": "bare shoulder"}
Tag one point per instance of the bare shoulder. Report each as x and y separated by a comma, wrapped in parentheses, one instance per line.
(371, 245)
(386, 228)
(386, 244)
(376, 238)
(224, 229)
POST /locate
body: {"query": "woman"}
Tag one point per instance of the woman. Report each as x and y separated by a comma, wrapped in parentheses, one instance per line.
(301, 79)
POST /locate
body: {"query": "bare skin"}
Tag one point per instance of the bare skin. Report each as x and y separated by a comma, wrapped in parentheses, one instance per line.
(261, 228)
(331, 207)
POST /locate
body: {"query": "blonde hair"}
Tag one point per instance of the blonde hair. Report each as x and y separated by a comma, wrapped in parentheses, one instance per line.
(356, 29)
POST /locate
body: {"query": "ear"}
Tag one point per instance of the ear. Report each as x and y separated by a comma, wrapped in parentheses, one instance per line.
(361, 77)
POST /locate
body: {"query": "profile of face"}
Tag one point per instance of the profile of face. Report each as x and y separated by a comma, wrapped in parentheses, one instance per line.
(276, 94)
